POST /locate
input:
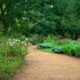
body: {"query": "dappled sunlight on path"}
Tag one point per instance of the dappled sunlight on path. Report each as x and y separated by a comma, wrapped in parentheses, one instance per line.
(46, 66)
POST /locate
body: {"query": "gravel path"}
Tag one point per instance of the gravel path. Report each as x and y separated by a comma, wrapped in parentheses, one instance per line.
(46, 66)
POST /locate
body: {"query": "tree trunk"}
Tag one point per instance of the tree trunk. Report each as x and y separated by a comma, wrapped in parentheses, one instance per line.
(75, 36)
(5, 27)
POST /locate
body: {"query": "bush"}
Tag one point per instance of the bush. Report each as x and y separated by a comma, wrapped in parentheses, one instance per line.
(13, 47)
(76, 50)
(51, 40)
(70, 47)
(57, 49)
(18, 36)
(48, 43)
(45, 45)
(12, 52)
(36, 39)
(9, 66)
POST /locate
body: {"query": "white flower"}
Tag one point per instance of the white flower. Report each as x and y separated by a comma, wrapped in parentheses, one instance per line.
(26, 39)
(11, 44)
(22, 42)
(51, 6)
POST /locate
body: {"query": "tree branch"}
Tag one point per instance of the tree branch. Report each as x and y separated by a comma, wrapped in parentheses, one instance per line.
(3, 10)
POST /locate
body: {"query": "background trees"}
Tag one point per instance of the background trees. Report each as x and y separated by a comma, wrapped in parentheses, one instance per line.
(58, 17)
(9, 11)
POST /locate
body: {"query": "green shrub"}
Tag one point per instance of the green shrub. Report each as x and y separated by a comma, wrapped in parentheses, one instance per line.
(9, 67)
(44, 45)
(48, 43)
(77, 50)
(12, 52)
(36, 39)
(57, 49)
(70, 47)
(13, 47)
(51, 40)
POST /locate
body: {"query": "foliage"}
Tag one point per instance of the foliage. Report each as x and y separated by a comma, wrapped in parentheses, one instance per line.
(45, 45)
(9, 66)
(58, 17)
(12, 52)
(36, 39)
(51, 40)
(9, 11)
(58, 49)
(48, 42)
(69, 47)
(72, 48)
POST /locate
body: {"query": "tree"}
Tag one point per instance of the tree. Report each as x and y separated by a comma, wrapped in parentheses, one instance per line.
(41, 16)
(68, 17)
(9, 10)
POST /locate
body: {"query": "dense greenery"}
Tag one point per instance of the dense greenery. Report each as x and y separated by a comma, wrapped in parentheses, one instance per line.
(70, 47)
(59, 17)
(36, 19)
(12, 53)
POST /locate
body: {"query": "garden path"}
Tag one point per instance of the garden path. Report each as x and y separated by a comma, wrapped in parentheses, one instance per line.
(46, 66)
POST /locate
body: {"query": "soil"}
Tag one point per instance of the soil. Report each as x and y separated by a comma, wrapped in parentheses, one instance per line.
(47, 66)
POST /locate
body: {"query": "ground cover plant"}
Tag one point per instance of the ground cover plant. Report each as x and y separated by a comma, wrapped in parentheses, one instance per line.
(12, 52)
(48, 43)
(70, 47)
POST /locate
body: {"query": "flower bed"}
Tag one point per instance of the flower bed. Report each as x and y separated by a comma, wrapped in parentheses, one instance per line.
(12, 52)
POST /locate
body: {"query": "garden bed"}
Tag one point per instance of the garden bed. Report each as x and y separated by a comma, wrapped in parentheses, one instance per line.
(70, 47)
(12, 52)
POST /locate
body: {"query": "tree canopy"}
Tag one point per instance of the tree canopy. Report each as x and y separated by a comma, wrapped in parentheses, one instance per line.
(58, 17)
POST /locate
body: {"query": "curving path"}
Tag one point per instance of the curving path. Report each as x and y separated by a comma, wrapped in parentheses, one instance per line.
(46, 66)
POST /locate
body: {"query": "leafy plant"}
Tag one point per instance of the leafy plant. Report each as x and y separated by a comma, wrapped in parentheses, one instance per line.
(12, 52)
(44, 45)
(57, 49)
(70, 47)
